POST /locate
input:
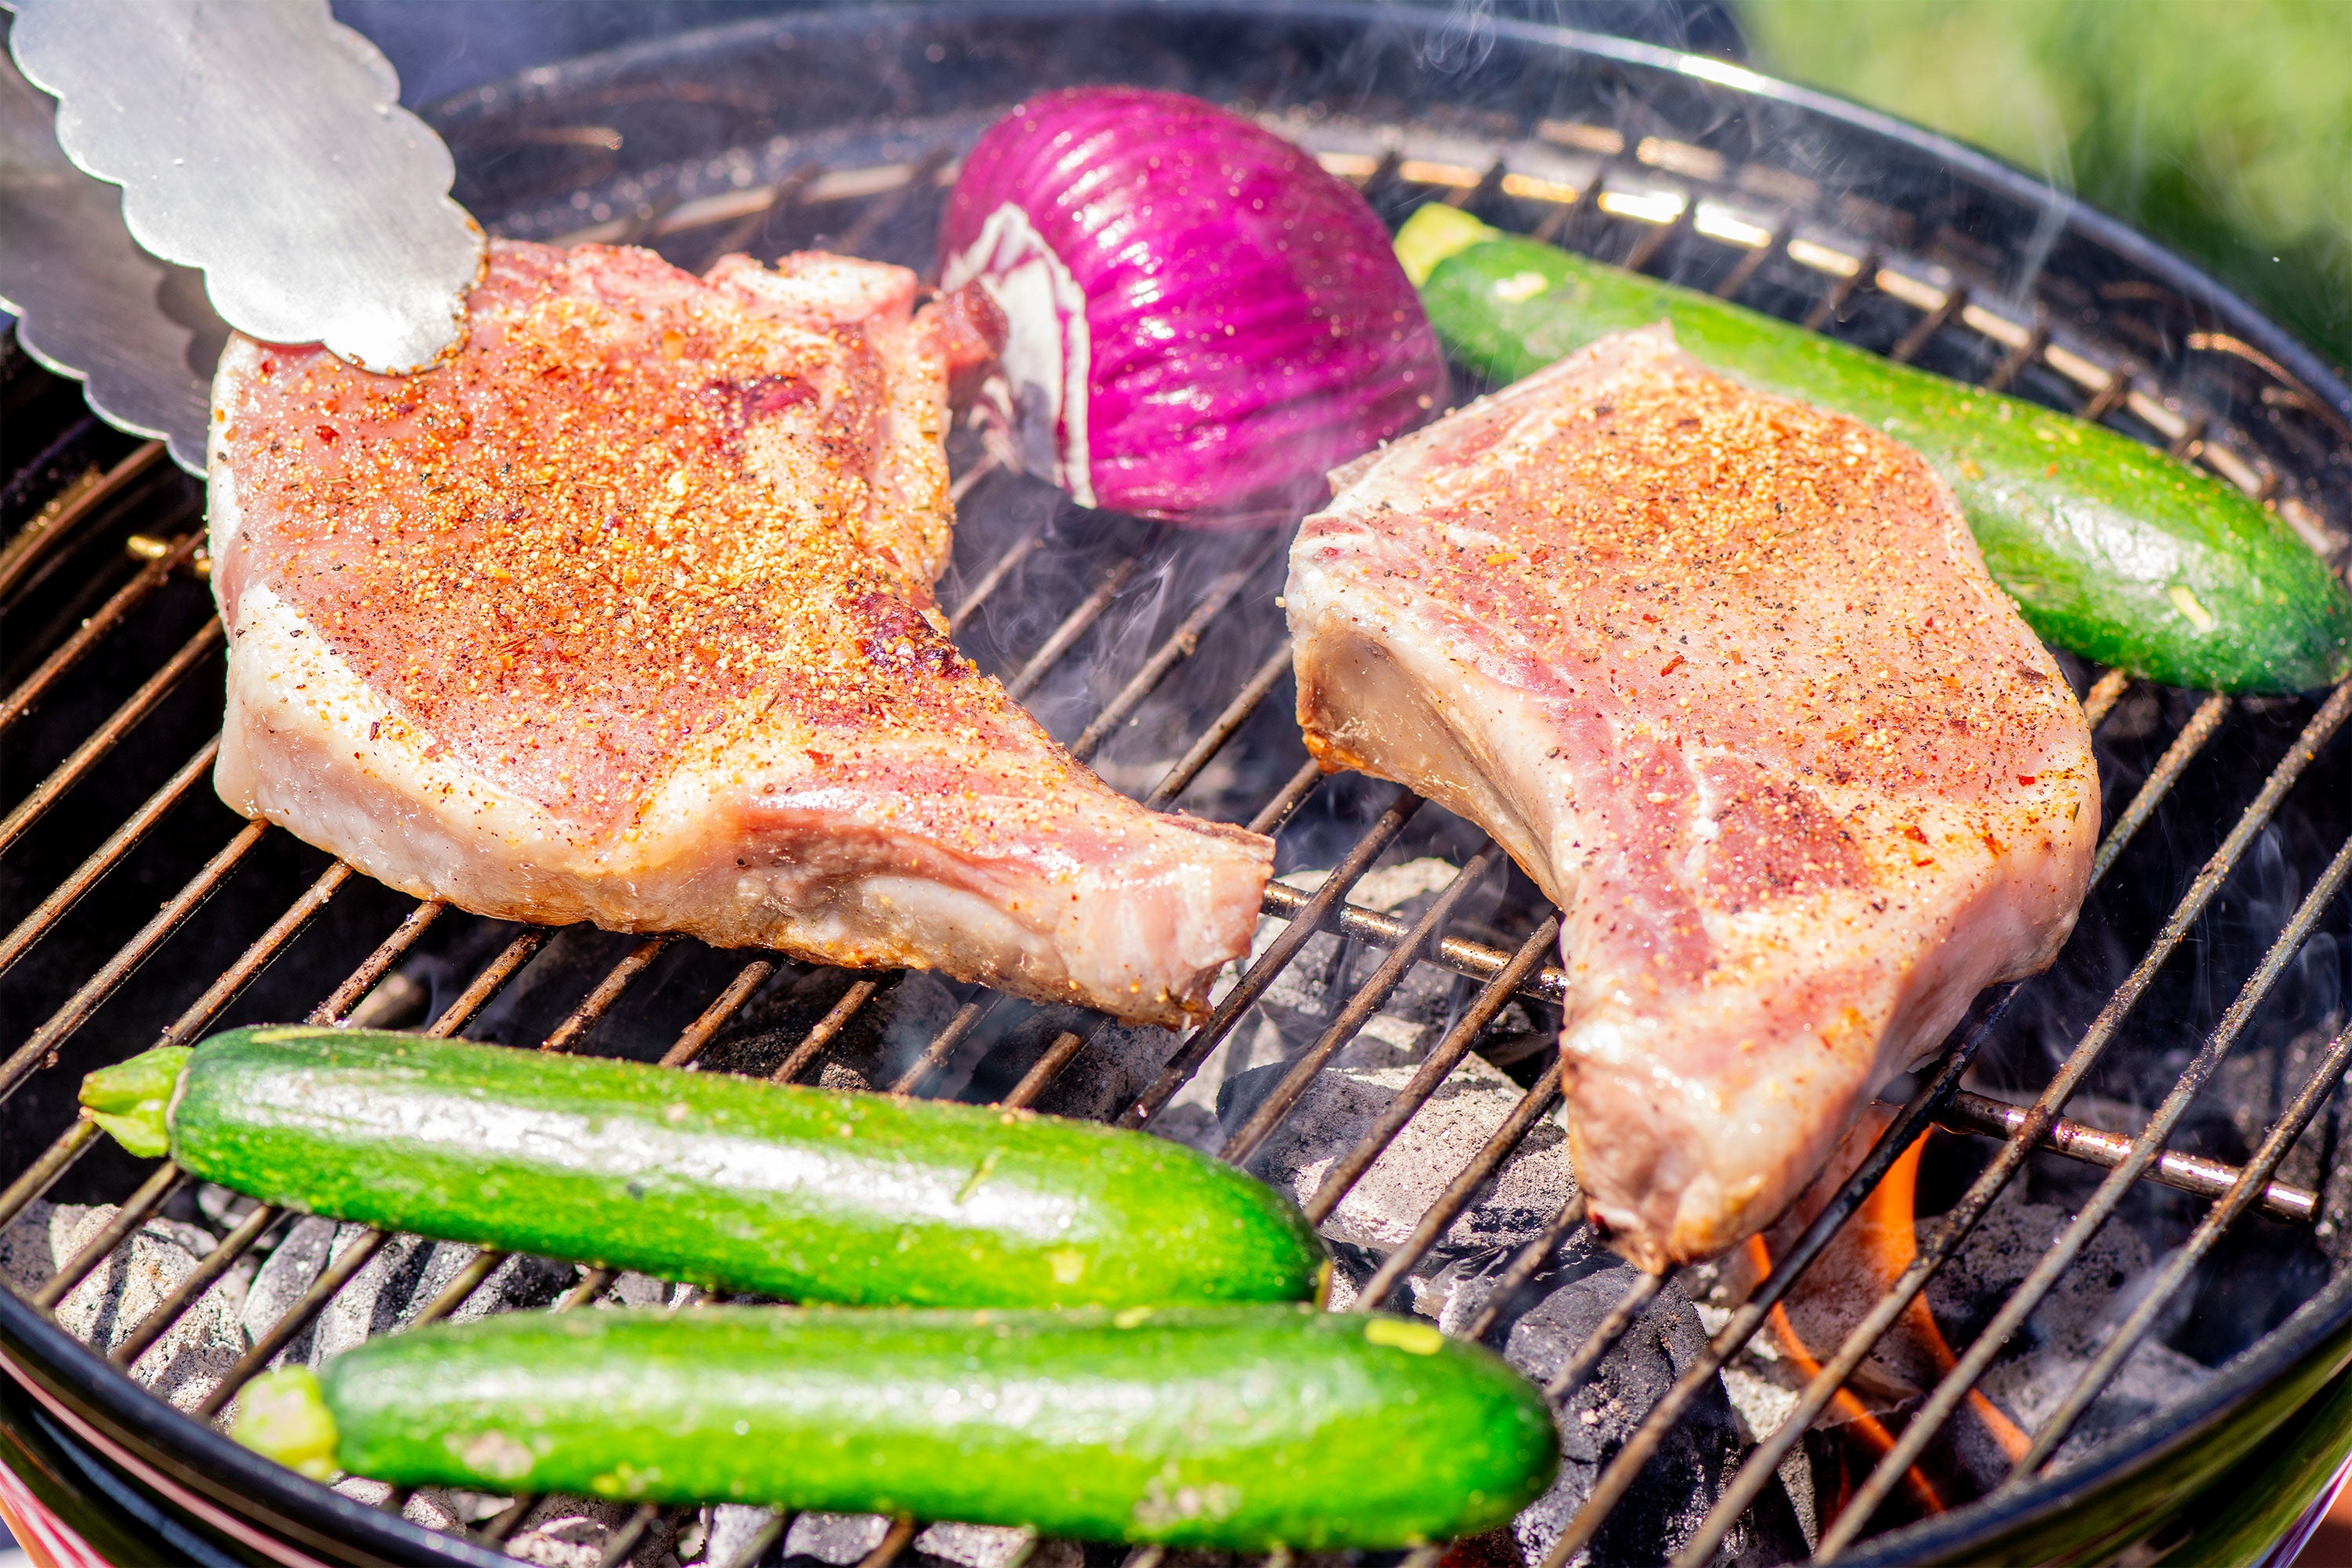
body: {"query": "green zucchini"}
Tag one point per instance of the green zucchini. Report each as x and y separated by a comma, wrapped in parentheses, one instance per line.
(2110, 548)
(811, 1195)
(1236, 1427)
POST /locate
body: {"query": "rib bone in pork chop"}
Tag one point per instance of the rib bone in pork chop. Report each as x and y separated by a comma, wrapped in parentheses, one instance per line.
(1725, 673)
(626, 616)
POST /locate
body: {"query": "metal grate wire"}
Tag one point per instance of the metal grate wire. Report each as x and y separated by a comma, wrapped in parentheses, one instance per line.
(1580, 213)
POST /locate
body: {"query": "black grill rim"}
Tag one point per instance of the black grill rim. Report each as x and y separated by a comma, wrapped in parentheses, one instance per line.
(64, 1375)
(2178, 1450)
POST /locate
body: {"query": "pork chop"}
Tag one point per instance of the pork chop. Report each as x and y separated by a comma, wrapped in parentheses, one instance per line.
(1726, 675)
(626, 616)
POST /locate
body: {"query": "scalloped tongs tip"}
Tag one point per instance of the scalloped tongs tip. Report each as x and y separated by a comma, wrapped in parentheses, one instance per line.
(257, 141)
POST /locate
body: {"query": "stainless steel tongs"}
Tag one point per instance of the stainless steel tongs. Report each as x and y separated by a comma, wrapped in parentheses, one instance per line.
(209, 164)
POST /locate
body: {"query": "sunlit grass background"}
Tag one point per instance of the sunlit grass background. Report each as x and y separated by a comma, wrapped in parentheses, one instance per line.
(2224, 127)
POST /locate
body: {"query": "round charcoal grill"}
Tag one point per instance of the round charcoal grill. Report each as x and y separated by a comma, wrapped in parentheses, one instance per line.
(2154, 1285)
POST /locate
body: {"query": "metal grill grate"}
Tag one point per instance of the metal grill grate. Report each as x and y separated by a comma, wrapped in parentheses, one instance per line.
(1649, 200)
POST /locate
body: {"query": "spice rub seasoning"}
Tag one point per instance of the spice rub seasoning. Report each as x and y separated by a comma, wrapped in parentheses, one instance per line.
(564, 527)
(1726, 674)
(624, 614)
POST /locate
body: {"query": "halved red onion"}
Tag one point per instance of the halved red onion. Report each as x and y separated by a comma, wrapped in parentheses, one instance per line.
(1204, 320)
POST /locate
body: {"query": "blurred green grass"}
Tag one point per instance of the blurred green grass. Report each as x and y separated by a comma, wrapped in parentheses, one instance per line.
(2222, 127)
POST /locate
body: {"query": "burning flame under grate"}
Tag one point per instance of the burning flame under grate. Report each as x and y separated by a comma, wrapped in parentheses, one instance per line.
(1646, 204)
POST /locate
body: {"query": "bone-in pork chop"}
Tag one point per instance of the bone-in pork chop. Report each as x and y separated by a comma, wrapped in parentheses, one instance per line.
(626, 616)
(1726, 675)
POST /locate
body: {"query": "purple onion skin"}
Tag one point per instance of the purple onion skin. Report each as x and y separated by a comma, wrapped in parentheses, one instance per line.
(1250, 326)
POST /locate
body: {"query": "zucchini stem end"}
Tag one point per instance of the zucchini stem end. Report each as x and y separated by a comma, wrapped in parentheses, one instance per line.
(132, 1100)
(1434, 233)
(283, 1415)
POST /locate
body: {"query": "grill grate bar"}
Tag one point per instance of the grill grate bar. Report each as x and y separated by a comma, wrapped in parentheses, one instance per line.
(962, 486)
(697, 1034)
(104, 858)
(2012, 364)
(209, 1267)
(468, 1279)
(1074, 627)
(1261, 975)
(621, 1544)
(502, 1525)
(886, 1551)
(1567, 217)
(43, 1173)
(1475, 960)
(1830, 306)
(2195, 1173)
(313, 1301)
(256, 956)
(1654, 237)
(752, 226)
(2153, 789)
(881, 210)
(132, 953)
(1369, 999)
(1227, 725)
(2110, 395)
(1747, 266)
(770, 1532)
(1433, 1071)
(821, 1034)
(1462, 1188)
(1946, 1238)
(598, 1002)
(30, 542)
(2060, 1254)
(943, 1045)
(112, 613)
(2101, 699)
(166, 1180)
(88, 754)
(1286, 800)
(1908, 347)
(389, 952)
(489, 982)
(1177, 648)
(2175, 1272)
(1001, 568)
(1041, 1072)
